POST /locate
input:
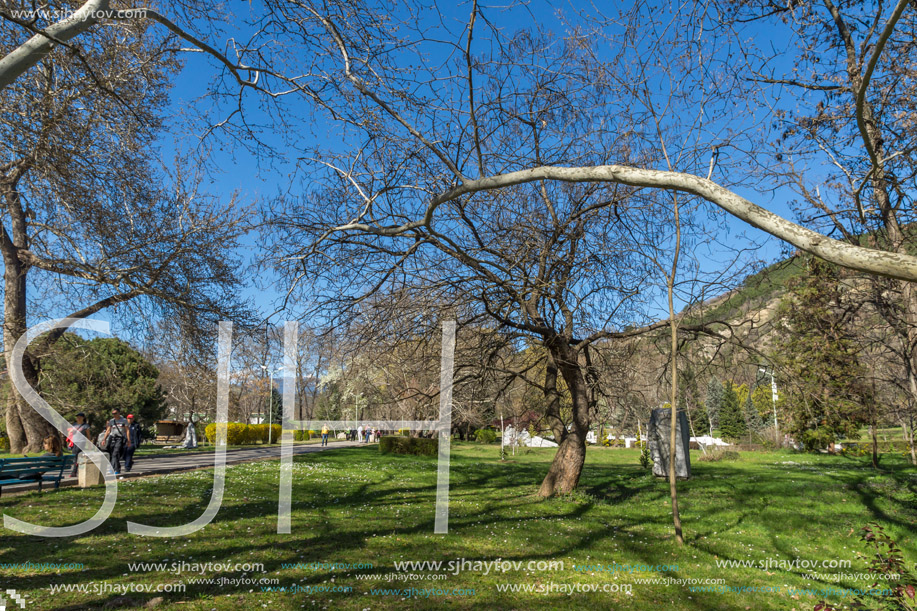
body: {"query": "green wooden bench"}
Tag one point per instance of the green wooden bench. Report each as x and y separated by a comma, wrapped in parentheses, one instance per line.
(36, 469)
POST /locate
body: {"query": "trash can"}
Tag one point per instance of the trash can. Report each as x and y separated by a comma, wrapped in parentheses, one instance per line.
(88, 472)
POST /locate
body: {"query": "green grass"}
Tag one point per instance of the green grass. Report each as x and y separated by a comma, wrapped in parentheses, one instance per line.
(354, 505)
(895, 434)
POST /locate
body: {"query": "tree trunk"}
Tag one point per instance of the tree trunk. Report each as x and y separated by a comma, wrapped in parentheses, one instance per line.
(25, 427)
(564, 474)
(909, 438)
(552, 396)
(673, 328)
(875, 446)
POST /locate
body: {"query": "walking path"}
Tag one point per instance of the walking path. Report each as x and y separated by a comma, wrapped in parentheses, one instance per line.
(157, 464)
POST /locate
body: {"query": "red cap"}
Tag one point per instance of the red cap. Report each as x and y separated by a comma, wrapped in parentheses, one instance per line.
(131, 416)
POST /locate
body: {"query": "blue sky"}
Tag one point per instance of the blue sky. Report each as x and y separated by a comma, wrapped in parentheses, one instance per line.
(235, 170)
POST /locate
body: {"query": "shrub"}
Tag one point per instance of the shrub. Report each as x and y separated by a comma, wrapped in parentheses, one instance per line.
(238, 433)
(485, 436)
(417, 446)
(267, 432)
(646, 460)
(5, 444)
(814, 440)
(298, 435)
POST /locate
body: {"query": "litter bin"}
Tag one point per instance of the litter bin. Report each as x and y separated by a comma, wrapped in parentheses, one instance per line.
(88, 472)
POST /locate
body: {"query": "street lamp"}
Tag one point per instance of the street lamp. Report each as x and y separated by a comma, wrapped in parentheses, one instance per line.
(774, 400)
(270, 410)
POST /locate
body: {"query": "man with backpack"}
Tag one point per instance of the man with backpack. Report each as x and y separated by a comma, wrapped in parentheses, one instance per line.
(116, 439)
(133, 433)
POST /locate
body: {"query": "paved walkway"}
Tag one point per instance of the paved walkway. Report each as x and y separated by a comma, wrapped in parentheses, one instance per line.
(171, 461)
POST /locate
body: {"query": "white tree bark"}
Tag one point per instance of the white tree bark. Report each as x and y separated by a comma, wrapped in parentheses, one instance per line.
(29, 53)
(893, 265)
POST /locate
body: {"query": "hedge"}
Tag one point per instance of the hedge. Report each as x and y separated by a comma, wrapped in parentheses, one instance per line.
(485, 436)
(416, 446)
(238, 433)
(299, 435)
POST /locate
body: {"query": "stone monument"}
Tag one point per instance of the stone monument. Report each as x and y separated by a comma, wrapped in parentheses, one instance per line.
(658, 435)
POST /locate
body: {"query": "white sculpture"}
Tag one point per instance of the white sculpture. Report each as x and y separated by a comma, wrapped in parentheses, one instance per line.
(190, 436)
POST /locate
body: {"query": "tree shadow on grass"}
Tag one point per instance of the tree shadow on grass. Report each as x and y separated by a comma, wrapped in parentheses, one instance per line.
(506, 487)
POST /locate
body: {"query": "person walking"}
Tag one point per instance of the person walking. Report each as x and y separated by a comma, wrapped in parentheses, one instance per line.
(133, 434)
(360, 433)
(81, 427)
(324, 435)
(116, 438)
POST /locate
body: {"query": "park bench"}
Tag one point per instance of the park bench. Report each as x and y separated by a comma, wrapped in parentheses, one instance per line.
(36, 469)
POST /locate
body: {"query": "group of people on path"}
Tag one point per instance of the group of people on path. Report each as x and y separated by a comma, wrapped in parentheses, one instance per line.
(361, 433)
(120, 439)
(365, 434)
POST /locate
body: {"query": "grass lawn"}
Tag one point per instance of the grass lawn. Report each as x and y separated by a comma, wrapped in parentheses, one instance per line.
(353, 506)
(895, 434)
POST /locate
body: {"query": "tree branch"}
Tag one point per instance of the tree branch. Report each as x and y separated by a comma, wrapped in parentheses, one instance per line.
(883, 263)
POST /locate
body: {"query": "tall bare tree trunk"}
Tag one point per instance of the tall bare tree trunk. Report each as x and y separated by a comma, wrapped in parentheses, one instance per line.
(875, 445)
(25, 427)
(909, 438)
(673, 327)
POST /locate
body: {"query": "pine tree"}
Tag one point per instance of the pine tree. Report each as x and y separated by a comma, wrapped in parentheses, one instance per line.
(753, 419)
(731, 417)
(701, 420)
(690, 401)
(714, 403)
(827, 389)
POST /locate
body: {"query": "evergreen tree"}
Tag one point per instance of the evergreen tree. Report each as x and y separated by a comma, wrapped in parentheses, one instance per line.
(714, 403)
(753, 419)
(732, 417)
(827, 389)
(701, 420)
(690, 400)
(94, 376)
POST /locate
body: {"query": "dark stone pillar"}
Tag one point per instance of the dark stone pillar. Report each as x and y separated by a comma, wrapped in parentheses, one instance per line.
(658, 435)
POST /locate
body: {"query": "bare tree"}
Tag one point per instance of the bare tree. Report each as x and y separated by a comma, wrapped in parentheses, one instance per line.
(847, 148)
(86, 203)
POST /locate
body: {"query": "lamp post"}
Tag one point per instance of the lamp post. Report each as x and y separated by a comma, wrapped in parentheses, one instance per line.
(774, 401)
(270, 409)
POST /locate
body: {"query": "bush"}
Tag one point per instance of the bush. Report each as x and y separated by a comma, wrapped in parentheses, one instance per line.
(817, 439)
(238, 433)
(416, 446)
(5, 444)
(298, 435)
(646, 460)
(265, 432)
(485, 436)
